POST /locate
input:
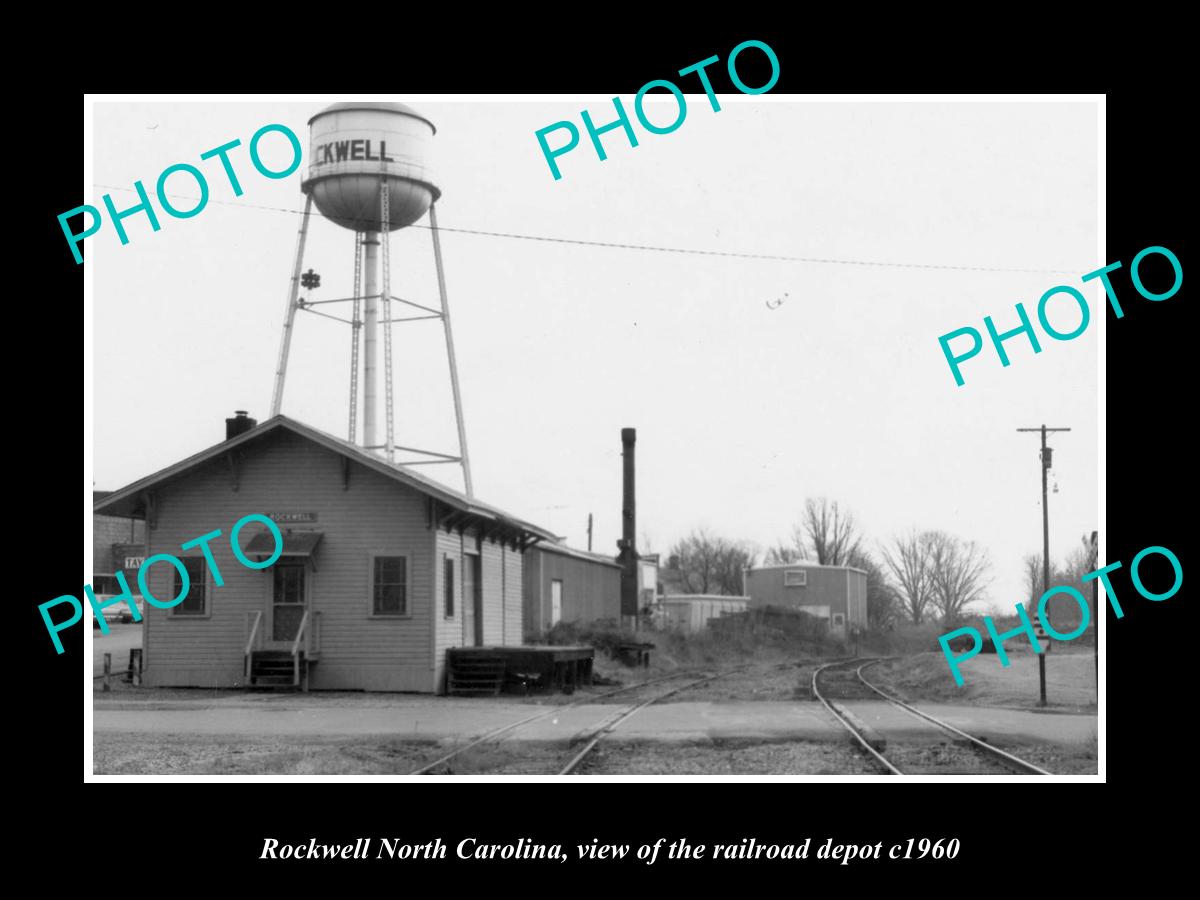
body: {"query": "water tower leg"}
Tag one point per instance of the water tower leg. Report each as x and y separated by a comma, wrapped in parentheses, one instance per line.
(289, 313)
(385, 194)
(370, 334)
(355, 325)
(458, 410)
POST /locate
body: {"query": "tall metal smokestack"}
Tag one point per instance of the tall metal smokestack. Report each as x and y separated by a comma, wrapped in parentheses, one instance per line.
(628, 557)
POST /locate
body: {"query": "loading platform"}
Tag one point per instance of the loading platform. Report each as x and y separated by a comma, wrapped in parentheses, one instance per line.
(486, 671)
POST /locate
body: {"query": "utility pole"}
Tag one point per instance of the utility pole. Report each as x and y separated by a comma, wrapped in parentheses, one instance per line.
(589, 532)
(1045, 457)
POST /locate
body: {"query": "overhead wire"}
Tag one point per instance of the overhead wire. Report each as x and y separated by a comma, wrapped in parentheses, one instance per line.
(615, 245)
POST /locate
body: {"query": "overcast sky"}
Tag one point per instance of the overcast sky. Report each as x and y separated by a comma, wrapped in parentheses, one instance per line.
(742, 411)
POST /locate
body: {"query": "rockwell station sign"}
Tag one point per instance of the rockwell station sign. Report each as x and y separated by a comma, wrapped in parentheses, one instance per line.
(344, 151)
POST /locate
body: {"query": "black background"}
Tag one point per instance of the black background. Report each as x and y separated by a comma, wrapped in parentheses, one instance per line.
(1021, 833)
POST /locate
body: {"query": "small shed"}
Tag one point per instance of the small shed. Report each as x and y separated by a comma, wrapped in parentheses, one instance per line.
(691, 613)
(837, 594)
(563, 584)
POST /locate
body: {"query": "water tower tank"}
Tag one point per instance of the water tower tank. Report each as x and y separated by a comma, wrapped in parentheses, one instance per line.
(351, 145)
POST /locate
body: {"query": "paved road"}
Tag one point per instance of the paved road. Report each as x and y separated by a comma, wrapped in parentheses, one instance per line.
(440, 717)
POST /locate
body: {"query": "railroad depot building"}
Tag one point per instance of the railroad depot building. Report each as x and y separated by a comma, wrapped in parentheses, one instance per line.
(563, 584)
(837, 594)
(382, 570)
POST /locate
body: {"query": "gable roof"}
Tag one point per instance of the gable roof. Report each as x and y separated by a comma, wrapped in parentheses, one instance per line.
(127, 500)
(805, 564)
(587, 556)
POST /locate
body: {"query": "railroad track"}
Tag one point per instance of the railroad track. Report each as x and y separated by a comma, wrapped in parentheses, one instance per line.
(594, 735)
(612, 724)
(842, 685)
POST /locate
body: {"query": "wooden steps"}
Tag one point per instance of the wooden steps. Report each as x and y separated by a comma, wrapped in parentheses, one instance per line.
(474, 675)
(275, 670)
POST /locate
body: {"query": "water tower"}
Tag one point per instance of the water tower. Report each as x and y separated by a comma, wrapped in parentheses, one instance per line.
(369, 172)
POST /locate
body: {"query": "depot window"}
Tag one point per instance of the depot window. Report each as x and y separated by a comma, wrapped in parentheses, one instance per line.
(389, 585)
(196, 601)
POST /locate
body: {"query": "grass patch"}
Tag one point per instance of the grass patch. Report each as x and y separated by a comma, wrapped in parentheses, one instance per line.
(728, 641)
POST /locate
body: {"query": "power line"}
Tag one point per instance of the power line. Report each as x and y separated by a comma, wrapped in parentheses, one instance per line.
(613, 245)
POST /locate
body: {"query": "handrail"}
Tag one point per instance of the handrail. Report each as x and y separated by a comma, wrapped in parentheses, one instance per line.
(250, 643)
(300, 633)
(253, 632)
(296, 649)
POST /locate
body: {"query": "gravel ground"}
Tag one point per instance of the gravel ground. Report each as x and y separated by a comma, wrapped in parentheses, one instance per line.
(196, 755)
(1058, 759)
(187, 754)
(728, 758)
(954, 758)
(943, 758)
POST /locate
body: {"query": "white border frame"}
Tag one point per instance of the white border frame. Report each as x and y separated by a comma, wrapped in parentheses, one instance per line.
(1097, 293)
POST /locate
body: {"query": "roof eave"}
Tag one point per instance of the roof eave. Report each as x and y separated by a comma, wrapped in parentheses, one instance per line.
(116, 502)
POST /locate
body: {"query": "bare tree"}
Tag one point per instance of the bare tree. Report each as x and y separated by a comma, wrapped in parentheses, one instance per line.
(1063, 611)
(734, 559)
(646, 546)
(710, 564)
(1080, 561)
(957, 572)
(832, 531)
(1033, 578)
(783, 553)
(908, 562)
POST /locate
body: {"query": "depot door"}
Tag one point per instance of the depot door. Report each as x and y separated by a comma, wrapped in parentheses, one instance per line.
(288, 602)
(472, 602)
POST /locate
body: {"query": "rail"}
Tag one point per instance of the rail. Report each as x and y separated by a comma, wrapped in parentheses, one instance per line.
(554, 710)
(1008, 758)
(845, 723)
(611, 726)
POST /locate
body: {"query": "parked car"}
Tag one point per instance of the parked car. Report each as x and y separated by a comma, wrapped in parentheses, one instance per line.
(119, 612)
(107, 589)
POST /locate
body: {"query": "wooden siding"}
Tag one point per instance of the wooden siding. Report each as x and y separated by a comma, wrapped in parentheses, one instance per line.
(287, 473)
(591, 590)
(501, 587)
(514, 567)
(449, 632)
(493, 589)
(531, 593)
